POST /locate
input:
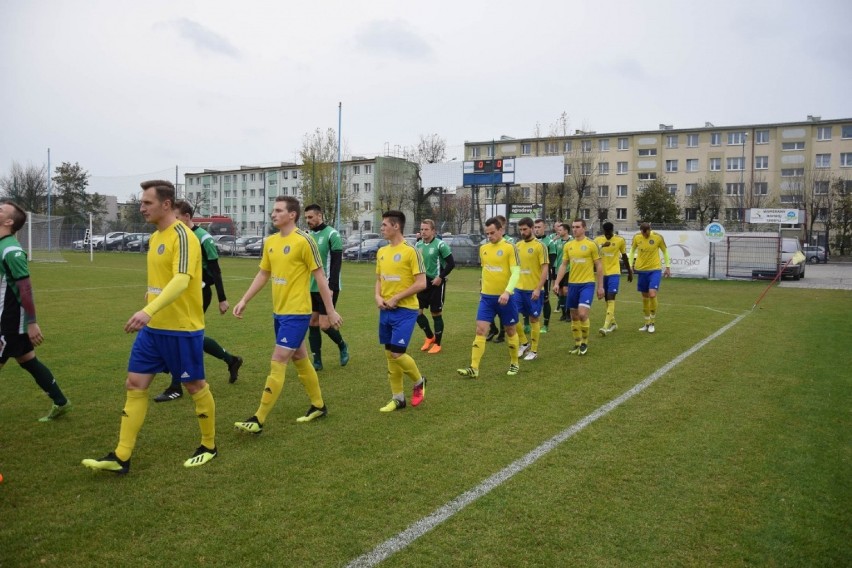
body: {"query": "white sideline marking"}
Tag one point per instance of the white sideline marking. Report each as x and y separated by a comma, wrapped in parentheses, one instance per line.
(426, 524)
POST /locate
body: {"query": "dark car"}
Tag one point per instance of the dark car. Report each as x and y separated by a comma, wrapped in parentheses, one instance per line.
(365, 251)
(138, 245)
(465, 250)
(255, 248)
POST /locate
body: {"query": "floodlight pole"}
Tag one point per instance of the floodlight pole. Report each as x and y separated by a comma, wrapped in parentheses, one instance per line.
(339, 179)
(48, 201)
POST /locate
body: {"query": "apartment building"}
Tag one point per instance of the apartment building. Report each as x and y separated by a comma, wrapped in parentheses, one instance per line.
(245, 194)
(785, 165)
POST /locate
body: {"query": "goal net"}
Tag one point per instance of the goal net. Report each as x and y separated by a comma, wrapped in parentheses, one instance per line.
(41, 237)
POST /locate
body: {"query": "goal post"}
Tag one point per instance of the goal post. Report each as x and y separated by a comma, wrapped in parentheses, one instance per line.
(41, 237)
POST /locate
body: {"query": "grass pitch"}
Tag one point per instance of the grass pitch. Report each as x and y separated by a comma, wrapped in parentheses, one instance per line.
(738, 456)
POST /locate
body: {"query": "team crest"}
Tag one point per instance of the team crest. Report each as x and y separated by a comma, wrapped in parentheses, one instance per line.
(161, 249)
(287, 249)
(650, 242)
(397, 257)
(499, 253)
(529, 250)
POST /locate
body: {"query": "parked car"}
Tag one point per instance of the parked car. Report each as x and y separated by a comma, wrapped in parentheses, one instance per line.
(239, 246)
(139, 244)
(789, 248)
(255, 248)
(360, 238)
(465, 250)
(113, 240)
(96, 242)
(224, 243)
(365, 251)
(127, 238)
(816, 254)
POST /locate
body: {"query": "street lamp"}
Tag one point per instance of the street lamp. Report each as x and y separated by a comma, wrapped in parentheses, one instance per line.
(742, 183)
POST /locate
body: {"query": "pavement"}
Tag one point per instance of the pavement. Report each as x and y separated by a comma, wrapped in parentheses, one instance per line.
(830, 276)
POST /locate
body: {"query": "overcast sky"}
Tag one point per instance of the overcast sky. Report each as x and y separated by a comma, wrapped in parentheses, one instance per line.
(132, 89)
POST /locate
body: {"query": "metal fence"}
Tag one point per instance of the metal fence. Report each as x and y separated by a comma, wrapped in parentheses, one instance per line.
(750, 256)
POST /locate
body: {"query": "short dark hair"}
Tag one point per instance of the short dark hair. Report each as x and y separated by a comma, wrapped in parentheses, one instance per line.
(397, 217)
(164, 188)
(503, 222)
(183, 207)
(314, 207)
(539, 220)
(293, 205)
(494, 221)
(526, 222)
(578, 220)
(566, 226)
(608, 226)
(19, 216)
(645, 226)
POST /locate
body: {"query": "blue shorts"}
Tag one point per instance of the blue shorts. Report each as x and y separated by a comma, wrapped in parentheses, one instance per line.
(396, 326)
(611, 283)
(526, 305)
(649, 280)
(580, 295)
(180, 354)
(290, 331)
(489, 307)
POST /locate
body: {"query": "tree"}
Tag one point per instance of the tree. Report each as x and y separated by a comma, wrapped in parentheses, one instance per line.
(655, 204)
(431, 149)
(706, 200)
(841, 215)
(319, 175)
(72, 200)
(582, 172)
(26, 186)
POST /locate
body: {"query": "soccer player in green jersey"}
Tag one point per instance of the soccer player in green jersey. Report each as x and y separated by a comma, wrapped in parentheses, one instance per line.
(170, 331)
(540, 231)
(563, 235)
(613, 250)
(290, 258)
(212, 277)
(645, 252)
(583, 256)
(400, 275)
(330, 246)
(20, 333)
(439, 262)
(535, 267)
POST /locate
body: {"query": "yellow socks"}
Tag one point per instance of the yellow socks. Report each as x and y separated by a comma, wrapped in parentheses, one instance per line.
(477, 351)
(646, 308)
(132, 418)
(653, 307)
(535, 335)
(394, 375)
(310, 380)
(610, 313)
(274, 385)
(584, 331)
(409, 366)
(576, 332)
(512, 344)
(522, 337)
(205, 410)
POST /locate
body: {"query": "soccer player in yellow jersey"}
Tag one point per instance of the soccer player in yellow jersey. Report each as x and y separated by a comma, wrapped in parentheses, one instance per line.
(290, 258)
(171, 330)
(400, 275)
(500, 274)
(613, 249)
(645, 252)
(586, 269)
(529, 293)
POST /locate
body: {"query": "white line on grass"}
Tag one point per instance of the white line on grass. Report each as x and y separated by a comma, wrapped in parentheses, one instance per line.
(426, 524)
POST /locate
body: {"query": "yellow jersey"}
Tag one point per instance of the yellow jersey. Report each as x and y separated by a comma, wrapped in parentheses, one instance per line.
(648, 257)
(290, 261)
(397, 268)
(497, 261)
(611, 251)
(581, 255)
(176, 250)
(532, 256)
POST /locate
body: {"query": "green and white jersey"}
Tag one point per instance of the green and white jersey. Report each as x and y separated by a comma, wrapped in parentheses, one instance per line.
(14, 263)
(508, 239)
(208, 251)
(552, 242)
(434, 255)
(560, 247)
(328, 240)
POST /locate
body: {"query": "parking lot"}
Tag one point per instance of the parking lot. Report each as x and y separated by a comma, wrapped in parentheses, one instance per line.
(831, 276)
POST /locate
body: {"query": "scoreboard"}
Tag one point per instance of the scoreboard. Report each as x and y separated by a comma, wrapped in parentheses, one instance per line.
(489, 172)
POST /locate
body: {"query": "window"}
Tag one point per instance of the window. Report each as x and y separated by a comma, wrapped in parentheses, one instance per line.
(647, 151)
(215, 179)
(821, 187)
(368, 187)
(368, 205)
(567, 147)
(489, 152)
(587, 192)
(368, 169)
(526, 148)
(790, 199)
(272, 182)
(251, 193)
(692, 140)
(474, 152)
(261, 193)
(824, 133)
(671, 141)
(623, 143)
(295, 174)
(356, 188)
(761, 188)
(715, 164)
(621, 213)
(690, 214)
(671, 166)
(735, 164)
(733, 214)
(567, 169)
(244, 208)
(822, 214)
(284, 191)
(603, 191)
(672, 188)
(245, 177)
(846, 159)
(715, 138)
(622, 167)
(357, 169)
(356, 206)
(585, 214)
(285, 174)
(792, 172)
(692, 165)
(734, 188)
(787, 146)
(823, 161)
(603, 168)
(252, 177)
(525, 192)
(603, 145)
(761, 137)
(251, 209)
(846, 131)
(550, 148)
(621, 191)
(585, 169)
(227, 193)
(586, 146)
(244, 193)
(650, 176)
(690, 188)
(761, 162)
(736, 138)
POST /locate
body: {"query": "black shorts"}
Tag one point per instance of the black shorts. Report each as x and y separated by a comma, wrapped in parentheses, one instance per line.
(432, 297)
(564, 282)
(317, 304)
(14, 346)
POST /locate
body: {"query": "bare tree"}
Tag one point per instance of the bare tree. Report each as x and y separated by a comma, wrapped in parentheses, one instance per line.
(319, 155)
(818, 203)
(431, 149)
(458, 210)
(706, 200)
(582, 172)
(842, 216)
(26, 186)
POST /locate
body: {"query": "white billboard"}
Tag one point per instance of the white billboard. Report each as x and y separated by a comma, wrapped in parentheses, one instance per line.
(546, 169)
(779, 216)
(689, 252)
(446, 175)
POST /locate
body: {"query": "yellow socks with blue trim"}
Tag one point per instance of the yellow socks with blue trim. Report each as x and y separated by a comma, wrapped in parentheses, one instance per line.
(132, 418)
